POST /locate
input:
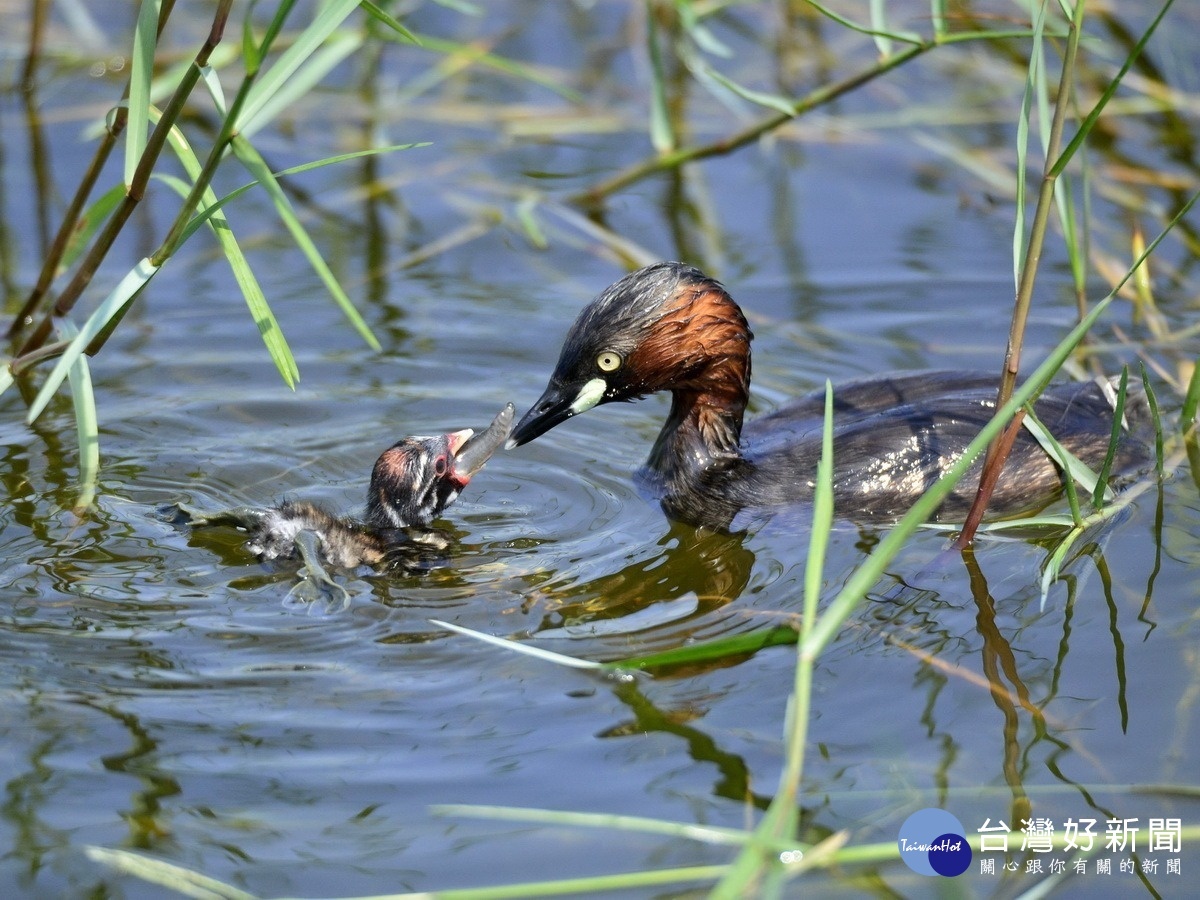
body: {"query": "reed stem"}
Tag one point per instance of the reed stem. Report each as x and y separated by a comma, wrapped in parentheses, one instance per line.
(998, 450)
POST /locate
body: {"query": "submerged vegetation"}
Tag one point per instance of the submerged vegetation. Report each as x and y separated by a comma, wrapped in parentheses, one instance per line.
(1072, 78)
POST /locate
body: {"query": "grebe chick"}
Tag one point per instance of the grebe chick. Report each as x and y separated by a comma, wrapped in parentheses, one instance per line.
(669, 327)
(412, 482)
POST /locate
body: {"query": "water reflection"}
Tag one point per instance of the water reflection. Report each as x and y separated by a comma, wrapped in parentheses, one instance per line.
(712, 566)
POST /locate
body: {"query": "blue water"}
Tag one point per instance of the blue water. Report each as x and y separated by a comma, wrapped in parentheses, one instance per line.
(161, 693)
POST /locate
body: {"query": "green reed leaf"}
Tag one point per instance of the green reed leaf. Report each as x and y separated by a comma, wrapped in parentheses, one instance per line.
(89, 222)
(386, 19)
(256, 301)
(141, 70)
(1089, 121)
(904, 37)
(1102, 492)
(112, 306)
(308, 75)
(1155, 418)
(662, 136)
(257, 166)
(707, 651)
(270, 82)
(770, 101)
(87, 428)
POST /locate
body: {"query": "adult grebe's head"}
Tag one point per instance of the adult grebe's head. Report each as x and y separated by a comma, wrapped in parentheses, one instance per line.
(415, 479)
(664, 327)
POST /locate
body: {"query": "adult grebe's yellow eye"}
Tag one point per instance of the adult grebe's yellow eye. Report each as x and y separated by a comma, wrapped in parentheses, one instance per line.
(608, 361)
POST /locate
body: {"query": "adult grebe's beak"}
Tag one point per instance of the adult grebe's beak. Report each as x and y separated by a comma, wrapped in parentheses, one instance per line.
(559, 403)
(472, 450)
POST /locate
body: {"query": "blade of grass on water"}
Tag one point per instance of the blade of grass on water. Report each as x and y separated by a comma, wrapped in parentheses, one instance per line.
(536, 652)
(86, 425)
(156, 871)
(756, 869)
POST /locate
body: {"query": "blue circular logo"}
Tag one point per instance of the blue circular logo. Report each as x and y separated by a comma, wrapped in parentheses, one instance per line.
(932, 843)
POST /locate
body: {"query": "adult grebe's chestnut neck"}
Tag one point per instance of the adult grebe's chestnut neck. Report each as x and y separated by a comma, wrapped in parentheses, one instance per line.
(666, 327)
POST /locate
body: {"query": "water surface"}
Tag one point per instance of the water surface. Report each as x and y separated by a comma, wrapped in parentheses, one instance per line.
(163, 693)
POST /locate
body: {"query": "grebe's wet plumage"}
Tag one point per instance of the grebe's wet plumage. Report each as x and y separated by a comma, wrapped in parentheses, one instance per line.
(412, 483)
(668, 327)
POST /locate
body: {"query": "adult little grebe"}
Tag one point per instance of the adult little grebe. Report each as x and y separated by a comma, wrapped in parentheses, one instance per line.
(669, 327)
(412, 482)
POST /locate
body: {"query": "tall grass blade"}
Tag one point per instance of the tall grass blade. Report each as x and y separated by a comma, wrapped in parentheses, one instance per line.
(252, 292)
(313, 70)
(1089, 121)
(1101, 492)
(872, 569)
(757, 869)
(87, 428)
(274, 79)
(137, 127)
(257, 166)
(1155, 418)
(818, 544)
(89, 222)
(662, 137)
(211, 209)
(112, 306)
(879, 27)
(386, 19)
(1033, 79)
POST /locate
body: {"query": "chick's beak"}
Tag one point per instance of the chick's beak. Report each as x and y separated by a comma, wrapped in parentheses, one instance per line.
(457, 441)
(472, 450)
